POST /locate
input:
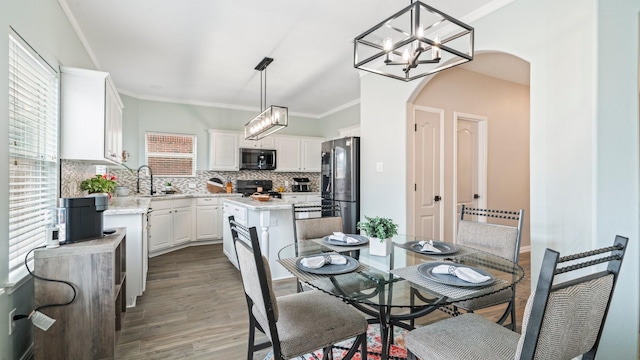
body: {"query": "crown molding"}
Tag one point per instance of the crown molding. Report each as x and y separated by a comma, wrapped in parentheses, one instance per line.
(79, 33)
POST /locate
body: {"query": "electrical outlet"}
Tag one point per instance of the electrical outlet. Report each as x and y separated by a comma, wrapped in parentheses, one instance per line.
(379, 167)
(192, 186)
(12, 324)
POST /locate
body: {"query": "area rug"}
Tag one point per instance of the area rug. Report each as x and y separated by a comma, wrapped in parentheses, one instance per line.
(373, 347)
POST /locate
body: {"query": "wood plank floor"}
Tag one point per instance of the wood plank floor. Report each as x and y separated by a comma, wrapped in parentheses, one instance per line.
(194, 308)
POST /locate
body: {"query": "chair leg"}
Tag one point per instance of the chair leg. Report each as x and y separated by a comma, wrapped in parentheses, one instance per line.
(359, 341)
(327, 353)
(252, 333)
(298, 286)
(410, 356)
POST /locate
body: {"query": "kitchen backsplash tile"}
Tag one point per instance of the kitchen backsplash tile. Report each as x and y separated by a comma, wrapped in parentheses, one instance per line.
(74, 172)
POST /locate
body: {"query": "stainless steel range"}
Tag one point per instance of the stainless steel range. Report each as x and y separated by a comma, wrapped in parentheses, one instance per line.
(249, 187)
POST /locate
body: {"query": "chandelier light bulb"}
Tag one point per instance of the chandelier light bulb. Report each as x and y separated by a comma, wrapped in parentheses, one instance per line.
(435, 50)
(387, 44)
(405, 55)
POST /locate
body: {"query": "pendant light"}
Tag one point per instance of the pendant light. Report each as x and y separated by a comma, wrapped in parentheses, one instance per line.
(271, 119)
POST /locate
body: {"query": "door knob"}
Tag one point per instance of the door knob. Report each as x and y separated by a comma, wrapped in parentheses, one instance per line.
(476, 196)
(437, 198)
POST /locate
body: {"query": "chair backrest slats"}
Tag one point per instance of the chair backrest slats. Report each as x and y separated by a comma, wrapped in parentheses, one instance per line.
(256, 275)
(501, 240)
(317, 227)
(565, 320)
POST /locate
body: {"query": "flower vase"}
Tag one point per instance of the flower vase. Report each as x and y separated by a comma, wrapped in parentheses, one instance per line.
(380, 247)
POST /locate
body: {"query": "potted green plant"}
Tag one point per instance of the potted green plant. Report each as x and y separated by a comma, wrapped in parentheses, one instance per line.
(105, 184)
(380, 231)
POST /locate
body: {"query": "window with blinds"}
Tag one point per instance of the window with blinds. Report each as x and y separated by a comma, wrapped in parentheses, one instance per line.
(33, 148)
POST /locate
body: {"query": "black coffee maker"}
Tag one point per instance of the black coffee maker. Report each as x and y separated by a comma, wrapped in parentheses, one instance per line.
(84, 217)
(301, 185)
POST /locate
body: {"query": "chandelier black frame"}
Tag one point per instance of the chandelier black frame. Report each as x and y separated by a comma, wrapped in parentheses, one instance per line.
(415, 42)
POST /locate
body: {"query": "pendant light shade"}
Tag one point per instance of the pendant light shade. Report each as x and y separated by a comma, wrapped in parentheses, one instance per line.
(415, 42)
(271, 119)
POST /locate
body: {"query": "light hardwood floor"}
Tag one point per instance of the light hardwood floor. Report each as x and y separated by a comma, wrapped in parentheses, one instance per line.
(194, 308)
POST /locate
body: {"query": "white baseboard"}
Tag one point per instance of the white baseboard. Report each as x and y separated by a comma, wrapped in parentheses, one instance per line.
(525, 249)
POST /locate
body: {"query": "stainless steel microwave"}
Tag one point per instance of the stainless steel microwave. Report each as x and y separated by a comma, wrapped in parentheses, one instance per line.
(257, 159)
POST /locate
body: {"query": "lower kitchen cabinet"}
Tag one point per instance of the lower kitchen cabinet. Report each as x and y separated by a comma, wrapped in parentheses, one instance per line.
(137, 251)
(208, 219)
(171, 224)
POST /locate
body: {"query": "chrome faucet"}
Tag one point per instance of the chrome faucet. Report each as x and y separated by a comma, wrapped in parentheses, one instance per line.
(138, 180)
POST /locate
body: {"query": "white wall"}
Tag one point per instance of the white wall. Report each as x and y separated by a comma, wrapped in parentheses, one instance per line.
(584, 135)
(140, 116)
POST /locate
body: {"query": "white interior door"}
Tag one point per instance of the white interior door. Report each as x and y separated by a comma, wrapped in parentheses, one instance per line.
(428, 190)
(470, 162)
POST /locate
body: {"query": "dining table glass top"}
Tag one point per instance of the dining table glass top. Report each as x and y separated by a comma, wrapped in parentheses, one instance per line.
(404, 278)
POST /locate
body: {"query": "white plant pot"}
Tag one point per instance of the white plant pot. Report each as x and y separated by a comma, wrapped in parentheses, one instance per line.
(380, 247)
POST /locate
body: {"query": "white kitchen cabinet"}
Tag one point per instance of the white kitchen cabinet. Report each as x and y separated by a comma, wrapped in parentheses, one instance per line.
(311, 157)
(91, 117)
(288, 153)
(137, 251)
(306, 200)
(208, 219)
(240, 215)
(264, 143)
(171, 224)
(223, 150)
(298, 154)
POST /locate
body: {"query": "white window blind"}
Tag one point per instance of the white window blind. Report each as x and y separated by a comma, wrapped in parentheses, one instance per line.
(33, 148)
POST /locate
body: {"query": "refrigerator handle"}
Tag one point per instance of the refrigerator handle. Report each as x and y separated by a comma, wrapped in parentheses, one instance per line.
(333, 172)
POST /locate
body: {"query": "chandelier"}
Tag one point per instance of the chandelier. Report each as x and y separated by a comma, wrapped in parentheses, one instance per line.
(269, 120)
(415, 42)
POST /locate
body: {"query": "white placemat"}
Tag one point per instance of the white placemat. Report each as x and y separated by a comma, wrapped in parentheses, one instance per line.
(411, 274)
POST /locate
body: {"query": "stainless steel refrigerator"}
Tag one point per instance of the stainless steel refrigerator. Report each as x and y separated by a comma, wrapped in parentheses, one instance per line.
(340, 179)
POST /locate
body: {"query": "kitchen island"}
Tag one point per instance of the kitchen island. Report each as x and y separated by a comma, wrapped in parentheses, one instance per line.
(131, 213)
(273, 221)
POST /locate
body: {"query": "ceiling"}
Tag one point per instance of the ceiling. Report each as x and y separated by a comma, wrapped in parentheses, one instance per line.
(204, 52)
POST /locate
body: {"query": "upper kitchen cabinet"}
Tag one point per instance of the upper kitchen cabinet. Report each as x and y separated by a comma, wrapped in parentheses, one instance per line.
(223, 150)
(264, 143)
(298, 154)
(91, 117)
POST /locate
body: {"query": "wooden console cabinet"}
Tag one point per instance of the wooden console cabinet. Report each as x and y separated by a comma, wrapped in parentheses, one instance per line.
(88, 327)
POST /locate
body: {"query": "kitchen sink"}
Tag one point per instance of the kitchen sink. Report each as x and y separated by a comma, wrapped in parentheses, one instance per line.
(152, 196)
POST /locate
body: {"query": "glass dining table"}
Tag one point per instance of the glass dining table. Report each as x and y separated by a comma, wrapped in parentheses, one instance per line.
(404, 285)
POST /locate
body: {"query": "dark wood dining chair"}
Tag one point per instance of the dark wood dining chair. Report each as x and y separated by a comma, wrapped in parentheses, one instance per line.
(561, 321)
(295, 324)
(501, 240)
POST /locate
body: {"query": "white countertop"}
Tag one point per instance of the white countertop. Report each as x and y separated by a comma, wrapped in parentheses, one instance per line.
(139, 204)
(272, 204)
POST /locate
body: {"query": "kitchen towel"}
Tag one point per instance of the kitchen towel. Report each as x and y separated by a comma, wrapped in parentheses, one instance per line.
(316, 262)
(461, 272)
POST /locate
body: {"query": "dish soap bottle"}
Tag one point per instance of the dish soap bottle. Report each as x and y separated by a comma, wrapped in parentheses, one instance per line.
(229, 187)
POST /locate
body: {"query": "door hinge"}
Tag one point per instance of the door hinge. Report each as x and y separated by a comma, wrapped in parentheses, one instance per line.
(415, 127)
(415, 187)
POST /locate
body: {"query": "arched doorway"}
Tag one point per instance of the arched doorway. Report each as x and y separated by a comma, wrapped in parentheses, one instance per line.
(482, 153)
